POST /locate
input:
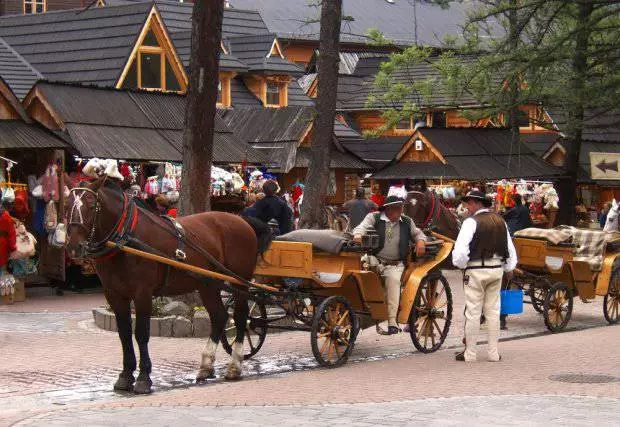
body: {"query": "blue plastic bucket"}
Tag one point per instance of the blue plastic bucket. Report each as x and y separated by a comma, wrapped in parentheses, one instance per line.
(512, 301)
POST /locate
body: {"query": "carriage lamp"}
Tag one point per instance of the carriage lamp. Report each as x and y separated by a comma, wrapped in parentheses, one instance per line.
(554, 263)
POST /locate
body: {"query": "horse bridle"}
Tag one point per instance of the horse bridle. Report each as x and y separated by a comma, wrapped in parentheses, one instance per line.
(121, 232)
(433, 213)
(77, 207)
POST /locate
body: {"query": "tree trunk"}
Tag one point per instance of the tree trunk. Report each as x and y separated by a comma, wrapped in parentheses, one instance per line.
(513, 85)
(201, 106)
(313, 209)
(576, 112)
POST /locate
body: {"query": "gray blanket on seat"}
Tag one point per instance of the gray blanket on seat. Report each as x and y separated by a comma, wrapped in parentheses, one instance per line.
(330, 241)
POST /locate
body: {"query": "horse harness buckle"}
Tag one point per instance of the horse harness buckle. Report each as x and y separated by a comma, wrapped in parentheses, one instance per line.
(179, 253)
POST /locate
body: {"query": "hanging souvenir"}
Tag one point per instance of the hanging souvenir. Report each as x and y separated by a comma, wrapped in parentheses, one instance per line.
(24, 242)
(51, 216)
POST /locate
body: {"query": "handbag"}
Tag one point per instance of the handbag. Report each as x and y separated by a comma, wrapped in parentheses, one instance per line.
(51, 216)
(25, 243)
(8, 195)
(59, 237)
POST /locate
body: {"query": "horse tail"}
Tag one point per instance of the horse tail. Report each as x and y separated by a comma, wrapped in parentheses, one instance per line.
(264, 234)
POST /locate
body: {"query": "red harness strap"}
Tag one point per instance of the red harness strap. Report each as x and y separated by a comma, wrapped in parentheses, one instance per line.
(121, 225)
(431, 212)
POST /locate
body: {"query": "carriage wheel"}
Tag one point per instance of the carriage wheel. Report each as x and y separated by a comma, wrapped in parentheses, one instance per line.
(255, 332)
(333, 332)
(537, 297)
(431, 314)
(558, 307)
(611, 302)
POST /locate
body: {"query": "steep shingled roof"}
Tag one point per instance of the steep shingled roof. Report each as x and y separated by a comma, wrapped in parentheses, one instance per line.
(296, 19)
(18, 74)
(86, 46)
(137, 125)
(255, 52)
(182, 42)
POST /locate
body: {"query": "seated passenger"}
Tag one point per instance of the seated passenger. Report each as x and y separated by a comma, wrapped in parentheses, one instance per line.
(397, 233)
(271, 207)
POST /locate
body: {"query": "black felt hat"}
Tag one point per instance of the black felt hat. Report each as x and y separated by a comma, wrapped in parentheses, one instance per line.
(391, 201)
(478, 196)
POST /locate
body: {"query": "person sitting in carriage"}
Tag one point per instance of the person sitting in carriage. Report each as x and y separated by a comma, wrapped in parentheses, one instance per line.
(397, 232)
(272, 207)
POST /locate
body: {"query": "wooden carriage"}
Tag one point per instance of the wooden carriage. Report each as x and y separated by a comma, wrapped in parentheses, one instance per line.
(557, 265)
(335, 295)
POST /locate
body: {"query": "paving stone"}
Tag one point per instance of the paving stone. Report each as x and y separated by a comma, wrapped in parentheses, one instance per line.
(165, 326)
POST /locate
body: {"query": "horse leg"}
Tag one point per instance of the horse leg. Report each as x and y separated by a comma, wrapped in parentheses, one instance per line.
(218, 315)
(143, 326)
(122, 312)
(241, 317)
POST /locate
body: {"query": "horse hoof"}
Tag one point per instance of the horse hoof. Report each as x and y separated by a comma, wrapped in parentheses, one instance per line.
(204, 375)
(124, 383)
(233, 374)
(143, 387)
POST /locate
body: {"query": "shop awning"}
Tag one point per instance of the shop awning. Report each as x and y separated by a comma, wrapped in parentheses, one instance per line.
(18, 134)
(426, 170)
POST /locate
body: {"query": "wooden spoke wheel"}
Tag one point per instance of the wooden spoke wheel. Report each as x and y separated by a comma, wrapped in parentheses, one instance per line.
(255, 332)
(333, 331)
(558, 307)
(431, 314)
(537, 297)
(611, 302)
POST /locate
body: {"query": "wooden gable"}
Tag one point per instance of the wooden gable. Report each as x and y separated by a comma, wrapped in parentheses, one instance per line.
(419, 149)
(154, 40)
(41, 111)
(10, 107)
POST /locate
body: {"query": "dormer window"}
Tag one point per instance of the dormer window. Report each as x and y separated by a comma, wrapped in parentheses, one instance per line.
(35, 6)
(153, 64)
(273, 94)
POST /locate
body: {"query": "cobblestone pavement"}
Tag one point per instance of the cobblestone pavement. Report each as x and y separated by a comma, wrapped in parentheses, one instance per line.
(479, 410)
(59, 359)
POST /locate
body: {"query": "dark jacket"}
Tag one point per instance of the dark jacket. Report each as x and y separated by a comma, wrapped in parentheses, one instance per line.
(518, 218)
(272, 207)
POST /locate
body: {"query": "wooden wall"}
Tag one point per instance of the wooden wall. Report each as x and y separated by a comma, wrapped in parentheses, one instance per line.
(16, 7)
(287, 180)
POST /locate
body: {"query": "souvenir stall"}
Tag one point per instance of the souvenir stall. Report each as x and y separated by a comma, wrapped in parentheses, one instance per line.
(541, 197)
(33, 191)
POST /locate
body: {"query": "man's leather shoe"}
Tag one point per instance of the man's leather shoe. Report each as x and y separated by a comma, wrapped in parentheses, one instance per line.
(392, 330)
(460, 356)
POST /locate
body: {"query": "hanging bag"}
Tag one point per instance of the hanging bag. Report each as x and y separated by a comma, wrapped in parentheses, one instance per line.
(8, 195)
(51, 216)
(25, 242)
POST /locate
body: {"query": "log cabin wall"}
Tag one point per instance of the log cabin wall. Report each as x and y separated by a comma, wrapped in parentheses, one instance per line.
(11, 7)
(287, 180)
(16, 7)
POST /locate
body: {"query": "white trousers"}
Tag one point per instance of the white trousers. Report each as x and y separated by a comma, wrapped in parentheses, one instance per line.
(391, 282)
(482, 294)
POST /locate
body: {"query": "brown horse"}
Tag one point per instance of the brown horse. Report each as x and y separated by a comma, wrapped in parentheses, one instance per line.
(427, 211)
(100, 212)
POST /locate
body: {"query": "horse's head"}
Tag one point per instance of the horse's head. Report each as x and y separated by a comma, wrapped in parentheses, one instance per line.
(427, 211)
(418, 207)
(612, 217)
(82, 216)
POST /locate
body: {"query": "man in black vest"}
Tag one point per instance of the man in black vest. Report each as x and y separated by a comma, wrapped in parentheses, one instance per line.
(397, 233)
(484, 251)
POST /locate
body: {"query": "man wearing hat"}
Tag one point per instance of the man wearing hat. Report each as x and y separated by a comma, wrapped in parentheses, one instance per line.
(397, 233)
(484, 251)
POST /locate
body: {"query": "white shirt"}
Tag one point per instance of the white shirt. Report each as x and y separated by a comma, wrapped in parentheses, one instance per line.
(460, 253)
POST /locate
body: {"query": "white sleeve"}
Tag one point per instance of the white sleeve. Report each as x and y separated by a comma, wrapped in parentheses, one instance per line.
(365, 225)
(511, 262)
(460, 253)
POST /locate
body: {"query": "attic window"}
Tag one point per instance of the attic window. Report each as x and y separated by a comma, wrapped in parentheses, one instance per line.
(273, 94)
(35, 6)
(152, 66)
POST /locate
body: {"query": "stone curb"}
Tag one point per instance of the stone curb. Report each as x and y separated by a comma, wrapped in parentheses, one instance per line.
(169, 326)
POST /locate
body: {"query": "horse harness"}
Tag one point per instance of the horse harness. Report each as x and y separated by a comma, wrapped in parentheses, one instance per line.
(122, 234)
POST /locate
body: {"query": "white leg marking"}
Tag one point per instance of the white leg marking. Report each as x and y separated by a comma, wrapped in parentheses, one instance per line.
(237, 355)
(208, 354)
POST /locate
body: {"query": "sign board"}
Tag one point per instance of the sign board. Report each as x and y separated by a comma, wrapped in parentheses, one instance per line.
(605, 166)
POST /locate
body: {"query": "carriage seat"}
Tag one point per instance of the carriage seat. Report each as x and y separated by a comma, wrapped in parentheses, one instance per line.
(588, 245)
(330, 241)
